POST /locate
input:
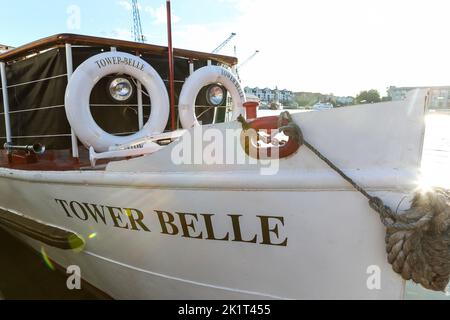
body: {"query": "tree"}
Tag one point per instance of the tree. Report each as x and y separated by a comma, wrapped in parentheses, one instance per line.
(305, 99)
(371, 96)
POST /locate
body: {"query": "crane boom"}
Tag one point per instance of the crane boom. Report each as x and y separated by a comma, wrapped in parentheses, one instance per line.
(248, 60)
(219, 48)
(137, 24)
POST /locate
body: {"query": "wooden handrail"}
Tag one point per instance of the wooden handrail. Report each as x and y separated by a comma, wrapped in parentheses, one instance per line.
(75, 39)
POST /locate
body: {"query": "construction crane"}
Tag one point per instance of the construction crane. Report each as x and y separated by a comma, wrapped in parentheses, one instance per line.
(248, 60)
(137, 24)
(219, 48)
(238, 68)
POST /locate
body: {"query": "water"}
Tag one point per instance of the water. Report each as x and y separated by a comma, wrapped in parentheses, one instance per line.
(25, 275)
(436, 153)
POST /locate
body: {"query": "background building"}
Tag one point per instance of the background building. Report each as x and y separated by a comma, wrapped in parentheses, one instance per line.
(440, 96)
(266, 95)
(345, 101)
(308, 99)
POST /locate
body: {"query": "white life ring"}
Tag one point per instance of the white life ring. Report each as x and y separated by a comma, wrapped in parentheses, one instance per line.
(84, 79)
(201, 78)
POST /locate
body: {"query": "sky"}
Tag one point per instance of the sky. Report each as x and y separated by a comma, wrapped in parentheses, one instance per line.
(329, 46)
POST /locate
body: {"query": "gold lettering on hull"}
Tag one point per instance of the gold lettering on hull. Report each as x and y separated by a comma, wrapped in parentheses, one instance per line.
(197, 226)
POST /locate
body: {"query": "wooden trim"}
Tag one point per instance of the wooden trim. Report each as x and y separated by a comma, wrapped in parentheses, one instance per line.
(74, 39)
(51, 160)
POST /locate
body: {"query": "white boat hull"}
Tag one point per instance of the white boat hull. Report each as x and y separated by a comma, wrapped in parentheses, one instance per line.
(333, 238)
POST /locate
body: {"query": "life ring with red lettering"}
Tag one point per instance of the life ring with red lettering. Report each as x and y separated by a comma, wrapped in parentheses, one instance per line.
(260, 131)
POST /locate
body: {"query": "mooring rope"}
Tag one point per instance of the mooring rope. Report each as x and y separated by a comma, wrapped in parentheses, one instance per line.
(417, 240)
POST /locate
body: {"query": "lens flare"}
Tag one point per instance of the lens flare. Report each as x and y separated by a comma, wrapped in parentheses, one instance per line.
(47, 260)
(425, 184)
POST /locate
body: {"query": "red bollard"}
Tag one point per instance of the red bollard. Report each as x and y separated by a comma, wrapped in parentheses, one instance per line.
(252, 109)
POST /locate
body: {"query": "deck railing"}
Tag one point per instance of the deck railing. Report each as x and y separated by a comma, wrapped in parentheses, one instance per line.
(68, 42)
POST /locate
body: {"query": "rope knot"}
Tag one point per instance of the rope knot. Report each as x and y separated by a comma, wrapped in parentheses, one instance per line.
(418, 240)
